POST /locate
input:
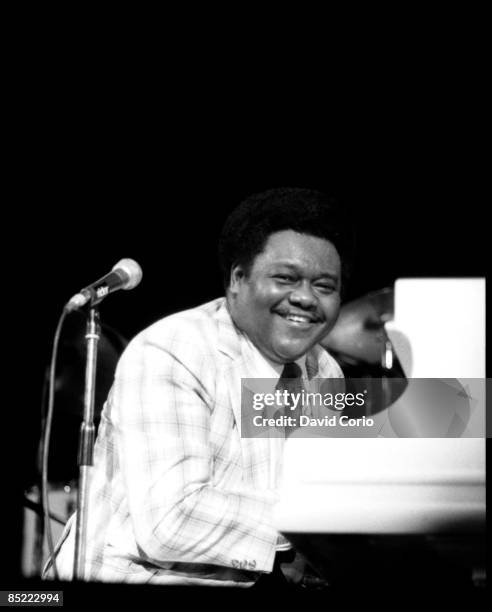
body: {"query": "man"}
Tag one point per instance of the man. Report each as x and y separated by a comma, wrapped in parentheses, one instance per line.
(177, 495)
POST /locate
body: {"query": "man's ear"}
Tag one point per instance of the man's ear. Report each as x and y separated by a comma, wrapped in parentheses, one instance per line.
(237, 275)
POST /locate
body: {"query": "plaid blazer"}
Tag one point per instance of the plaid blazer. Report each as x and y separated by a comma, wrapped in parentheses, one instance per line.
(176, 495)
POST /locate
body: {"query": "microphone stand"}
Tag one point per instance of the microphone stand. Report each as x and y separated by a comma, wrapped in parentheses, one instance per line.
(86, 442)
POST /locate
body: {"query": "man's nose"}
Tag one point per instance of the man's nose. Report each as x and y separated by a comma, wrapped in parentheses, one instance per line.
(303, 296)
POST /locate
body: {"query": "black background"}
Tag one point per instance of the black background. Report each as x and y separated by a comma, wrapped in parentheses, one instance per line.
(145, 159)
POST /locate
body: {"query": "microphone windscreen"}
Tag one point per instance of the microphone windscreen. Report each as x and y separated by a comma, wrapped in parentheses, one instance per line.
(132, 270)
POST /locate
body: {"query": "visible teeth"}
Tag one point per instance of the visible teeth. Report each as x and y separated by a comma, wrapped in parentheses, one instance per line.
(298, 319)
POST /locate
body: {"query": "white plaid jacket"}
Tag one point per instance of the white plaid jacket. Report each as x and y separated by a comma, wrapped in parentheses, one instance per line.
(176, 495)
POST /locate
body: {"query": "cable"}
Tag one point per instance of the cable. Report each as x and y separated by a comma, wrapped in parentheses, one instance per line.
(46, 445)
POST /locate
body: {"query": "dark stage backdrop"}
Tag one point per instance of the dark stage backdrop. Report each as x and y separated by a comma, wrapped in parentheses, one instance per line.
(163, 203)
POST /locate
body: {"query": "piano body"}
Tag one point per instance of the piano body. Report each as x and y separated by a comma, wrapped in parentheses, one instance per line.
(391, 510)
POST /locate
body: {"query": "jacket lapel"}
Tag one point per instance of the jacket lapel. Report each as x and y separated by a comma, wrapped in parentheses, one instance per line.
(237, 362)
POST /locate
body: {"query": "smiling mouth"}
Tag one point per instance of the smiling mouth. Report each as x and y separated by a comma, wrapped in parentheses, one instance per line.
(298, 320)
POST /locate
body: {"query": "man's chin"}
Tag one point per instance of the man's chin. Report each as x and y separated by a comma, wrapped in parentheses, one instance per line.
(287, 354)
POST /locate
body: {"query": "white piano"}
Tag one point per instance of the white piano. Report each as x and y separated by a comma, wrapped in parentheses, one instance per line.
(351, 502)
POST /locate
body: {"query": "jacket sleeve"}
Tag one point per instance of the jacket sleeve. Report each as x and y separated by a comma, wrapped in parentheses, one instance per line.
(162, 418)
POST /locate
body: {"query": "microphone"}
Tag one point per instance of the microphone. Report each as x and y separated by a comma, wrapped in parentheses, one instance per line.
(126, 274)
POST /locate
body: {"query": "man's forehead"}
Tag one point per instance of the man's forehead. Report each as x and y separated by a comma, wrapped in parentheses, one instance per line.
(293, 248)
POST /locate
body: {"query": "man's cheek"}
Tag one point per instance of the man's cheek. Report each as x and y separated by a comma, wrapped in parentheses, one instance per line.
(270, 292)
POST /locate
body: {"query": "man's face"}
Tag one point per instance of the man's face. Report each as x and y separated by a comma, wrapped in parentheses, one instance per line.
(291, 297)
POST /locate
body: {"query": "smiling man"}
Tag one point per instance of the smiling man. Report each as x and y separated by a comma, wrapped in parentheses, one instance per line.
(289, 297)
(177, 495)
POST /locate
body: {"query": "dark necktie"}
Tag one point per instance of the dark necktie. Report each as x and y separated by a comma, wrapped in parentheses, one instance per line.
(291, 381)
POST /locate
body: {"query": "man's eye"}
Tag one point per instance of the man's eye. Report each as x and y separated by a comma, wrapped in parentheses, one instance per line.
(325, 288)
(286, 278)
